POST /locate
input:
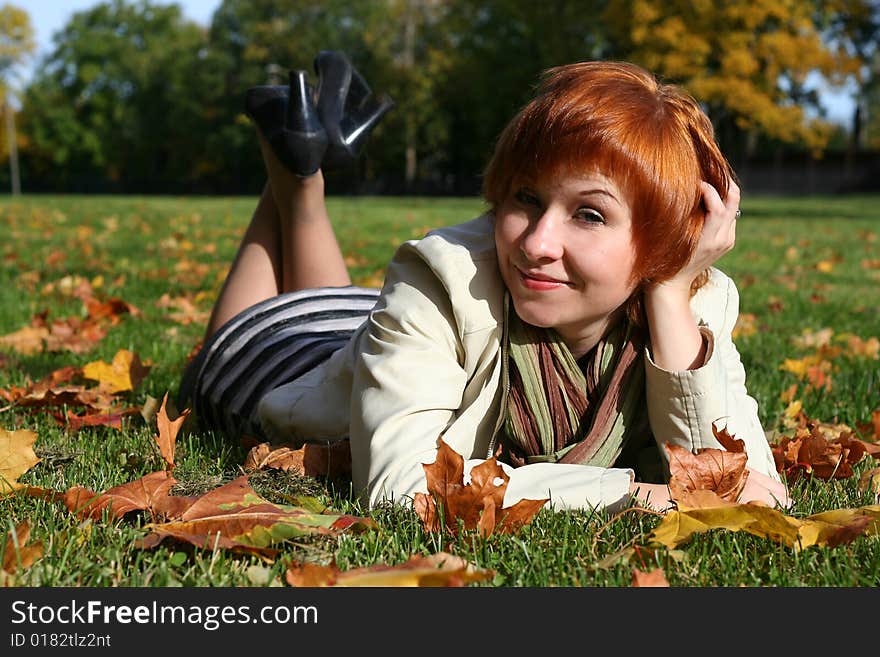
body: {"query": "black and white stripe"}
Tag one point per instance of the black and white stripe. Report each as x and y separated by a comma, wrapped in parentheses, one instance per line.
(265, 346)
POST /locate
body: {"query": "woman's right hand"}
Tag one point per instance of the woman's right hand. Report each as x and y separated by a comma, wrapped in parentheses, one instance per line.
(759, 488)
(764, 490)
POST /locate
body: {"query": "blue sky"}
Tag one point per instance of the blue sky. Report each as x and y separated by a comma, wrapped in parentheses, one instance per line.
(48, 16)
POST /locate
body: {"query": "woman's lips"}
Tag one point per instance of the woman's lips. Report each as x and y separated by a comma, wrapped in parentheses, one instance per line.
(539, 282)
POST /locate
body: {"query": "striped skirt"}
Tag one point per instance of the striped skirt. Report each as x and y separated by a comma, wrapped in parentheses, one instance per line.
(267, 345)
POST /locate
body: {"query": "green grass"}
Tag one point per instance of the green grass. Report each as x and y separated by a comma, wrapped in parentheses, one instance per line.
(134, 246)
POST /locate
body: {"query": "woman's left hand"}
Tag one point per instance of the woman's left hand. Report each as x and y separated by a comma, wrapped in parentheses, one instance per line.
(676, 342)
(717, 237)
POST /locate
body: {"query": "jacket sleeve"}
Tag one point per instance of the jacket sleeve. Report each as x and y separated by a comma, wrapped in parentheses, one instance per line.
(683, 405)
(408, 385)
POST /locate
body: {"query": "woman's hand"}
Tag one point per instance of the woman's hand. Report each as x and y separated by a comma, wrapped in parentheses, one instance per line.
(676, 343)
(764, 490)
(759, 488)
(717, 238)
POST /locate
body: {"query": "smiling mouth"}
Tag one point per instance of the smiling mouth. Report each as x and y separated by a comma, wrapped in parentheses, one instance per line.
(539, 281)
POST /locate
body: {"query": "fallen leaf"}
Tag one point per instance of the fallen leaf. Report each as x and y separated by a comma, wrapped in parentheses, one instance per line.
(810, 452)
(16, 554)
(149, 493)
(830, 528)
(264, 457)
(330, 460)
(653, 578)
(124, 374)
(477, 504)
(235, 517)
(17, 456)
(441, 569)
(717, 470)
(76, 421)
(26, 341)
(168, 430)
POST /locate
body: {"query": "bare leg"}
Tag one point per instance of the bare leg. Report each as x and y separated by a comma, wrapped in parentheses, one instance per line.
(289, 245)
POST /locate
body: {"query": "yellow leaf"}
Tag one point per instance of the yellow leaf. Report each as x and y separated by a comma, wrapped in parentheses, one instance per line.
(123, 374)
(16, 457)
(829, 528)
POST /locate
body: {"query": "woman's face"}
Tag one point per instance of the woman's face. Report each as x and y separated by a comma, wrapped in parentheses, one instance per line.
(566, 254)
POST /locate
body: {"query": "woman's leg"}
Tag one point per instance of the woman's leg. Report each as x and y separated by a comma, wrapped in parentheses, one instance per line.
(289, 245)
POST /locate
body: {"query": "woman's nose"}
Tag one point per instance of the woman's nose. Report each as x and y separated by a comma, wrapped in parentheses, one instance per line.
(543, 238)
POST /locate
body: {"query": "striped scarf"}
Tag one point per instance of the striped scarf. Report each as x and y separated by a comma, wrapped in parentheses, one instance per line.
(560, 410)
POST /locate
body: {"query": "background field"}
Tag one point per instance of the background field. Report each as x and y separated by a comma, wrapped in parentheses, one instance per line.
(803, 264)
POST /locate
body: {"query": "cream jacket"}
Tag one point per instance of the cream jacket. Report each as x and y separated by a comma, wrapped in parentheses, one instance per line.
(427, 363)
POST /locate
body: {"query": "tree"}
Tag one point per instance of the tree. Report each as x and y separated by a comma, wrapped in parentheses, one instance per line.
(855, 26)
(16, 43)
(499, 49)
(120, 99)
(748, 61)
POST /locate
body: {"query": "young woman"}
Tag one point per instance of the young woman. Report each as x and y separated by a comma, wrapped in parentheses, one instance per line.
(569, 330)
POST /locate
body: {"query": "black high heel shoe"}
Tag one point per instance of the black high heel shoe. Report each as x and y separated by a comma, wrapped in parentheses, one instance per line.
(289, 121)
(346, 107)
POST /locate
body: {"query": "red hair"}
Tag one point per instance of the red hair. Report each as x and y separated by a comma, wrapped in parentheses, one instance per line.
(617, 119)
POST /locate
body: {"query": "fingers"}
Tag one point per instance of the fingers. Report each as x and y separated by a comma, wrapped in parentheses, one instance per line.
(719, 227)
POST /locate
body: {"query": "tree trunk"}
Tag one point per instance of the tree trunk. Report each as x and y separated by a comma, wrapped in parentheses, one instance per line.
(13, 148)
(409, 43)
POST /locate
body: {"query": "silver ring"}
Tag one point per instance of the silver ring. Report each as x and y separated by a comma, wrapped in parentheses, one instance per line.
(738, 214)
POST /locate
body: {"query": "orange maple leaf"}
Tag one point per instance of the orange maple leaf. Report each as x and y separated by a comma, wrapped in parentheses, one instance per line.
(651, 578)
(721, 471)
(16, 554)
(149, 493)
(477, 504)
(235, 517)
(809, 451)
(168, 430)
(331, 460)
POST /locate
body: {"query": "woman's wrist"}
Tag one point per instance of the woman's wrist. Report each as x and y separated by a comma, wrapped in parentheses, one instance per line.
(653, 496)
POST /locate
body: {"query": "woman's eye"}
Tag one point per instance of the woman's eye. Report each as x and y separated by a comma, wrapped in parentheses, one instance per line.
(590, 216)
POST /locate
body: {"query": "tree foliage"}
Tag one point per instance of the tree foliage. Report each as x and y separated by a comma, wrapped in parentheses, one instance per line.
(748, 61)
(134, 94)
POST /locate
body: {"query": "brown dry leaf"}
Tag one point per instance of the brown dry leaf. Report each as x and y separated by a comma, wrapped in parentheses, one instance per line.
(830, 528)
(653, 578)
(476, 505)
(186, 310)
(264, 457)
(235, 517)
(109, 309)
(168, 430)
(74, 334)
(441, 569)
(810, 451)
(149, 493)
(124, 374)
(28, 340)
(16, 457)
(717, 470)
(16, 554)
(330, 460)
(114, 419)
